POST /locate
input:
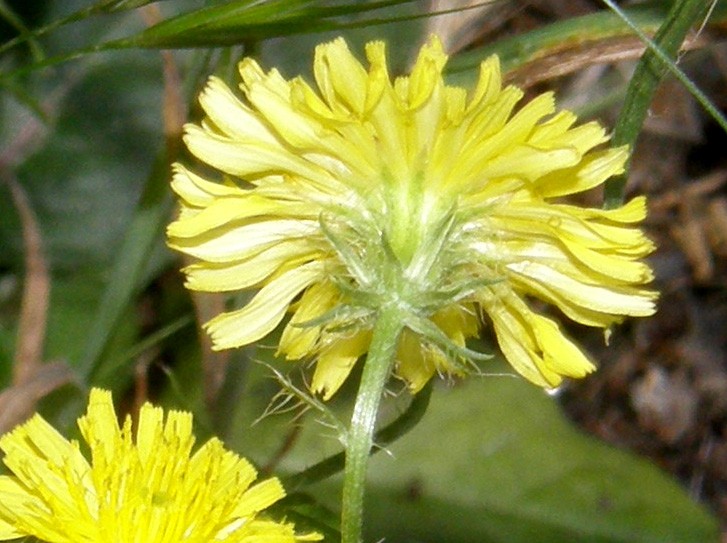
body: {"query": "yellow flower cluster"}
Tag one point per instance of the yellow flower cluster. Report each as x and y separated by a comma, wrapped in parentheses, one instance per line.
(151, 489)
(367, 192)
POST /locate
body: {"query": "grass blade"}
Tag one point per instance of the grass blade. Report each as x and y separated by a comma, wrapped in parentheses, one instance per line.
(654, 64)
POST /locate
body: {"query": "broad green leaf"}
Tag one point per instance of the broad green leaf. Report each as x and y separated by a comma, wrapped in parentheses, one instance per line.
(495, 461)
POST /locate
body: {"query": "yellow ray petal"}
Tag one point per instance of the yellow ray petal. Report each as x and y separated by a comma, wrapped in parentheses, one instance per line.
(560, 355)
(517, 344)
(235, 119)
(299, 339)
(489, 84)
(197, 191)
(259, 497)
(340, 77)
(242, 242)
(237, 275)
(264, 312)
(590, 172)
(245, 159)
(335, 362)
(413, 364)
(603, 298)
(233, 209)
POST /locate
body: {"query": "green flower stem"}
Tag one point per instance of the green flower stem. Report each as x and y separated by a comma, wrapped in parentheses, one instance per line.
(388, 327)
(390, 433)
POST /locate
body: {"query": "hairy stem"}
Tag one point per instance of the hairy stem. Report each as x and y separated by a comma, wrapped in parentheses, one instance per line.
(393, 431)
(360, 434)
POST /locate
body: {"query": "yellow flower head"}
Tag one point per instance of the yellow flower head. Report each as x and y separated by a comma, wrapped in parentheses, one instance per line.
(147, 489)
(365, 192)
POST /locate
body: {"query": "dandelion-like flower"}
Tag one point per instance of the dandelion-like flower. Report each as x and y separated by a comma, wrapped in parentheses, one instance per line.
(146, 489)
(364, 193)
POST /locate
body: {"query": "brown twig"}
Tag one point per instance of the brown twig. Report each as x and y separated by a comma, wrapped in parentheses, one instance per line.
(36, 291)
(173, 111)
(18, 402)
(32, 379)
(572, 57)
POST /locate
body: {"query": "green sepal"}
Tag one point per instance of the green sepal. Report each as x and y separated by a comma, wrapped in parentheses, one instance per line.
(353, 262)
(339, 318)
(431, 332)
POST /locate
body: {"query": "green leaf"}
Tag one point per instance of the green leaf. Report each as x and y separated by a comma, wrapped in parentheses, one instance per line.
(649, 72)
(110, 6)
(127, 274)
(84, 183)
(243, 21)
(7, 343)
(495, 461)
